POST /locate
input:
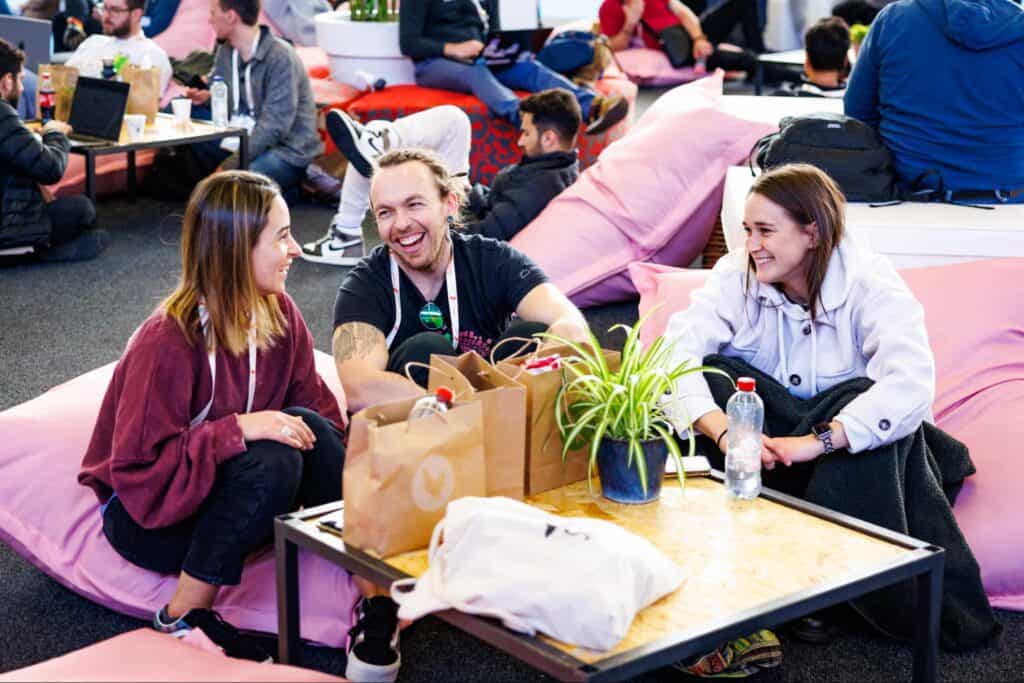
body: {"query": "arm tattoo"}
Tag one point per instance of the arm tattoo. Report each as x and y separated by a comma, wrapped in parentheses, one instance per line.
(355, 340)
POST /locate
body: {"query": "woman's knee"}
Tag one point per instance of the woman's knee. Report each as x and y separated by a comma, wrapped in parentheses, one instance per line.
(269, 471)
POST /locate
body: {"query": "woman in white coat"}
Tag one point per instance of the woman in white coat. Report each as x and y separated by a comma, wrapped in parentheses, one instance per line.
(817, 317)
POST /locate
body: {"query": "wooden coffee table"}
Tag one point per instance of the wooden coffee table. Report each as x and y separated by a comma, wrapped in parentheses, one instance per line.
(163, 132)
(749, 565)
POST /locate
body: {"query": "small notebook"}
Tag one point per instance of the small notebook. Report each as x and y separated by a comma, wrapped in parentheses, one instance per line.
(333, 522)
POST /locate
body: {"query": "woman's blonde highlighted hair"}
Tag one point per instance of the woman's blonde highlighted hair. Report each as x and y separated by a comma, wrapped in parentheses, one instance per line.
(223, 221)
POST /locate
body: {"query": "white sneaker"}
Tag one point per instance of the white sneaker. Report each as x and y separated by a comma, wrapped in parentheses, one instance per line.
(373, 655)
(334, 250)
(361, 145)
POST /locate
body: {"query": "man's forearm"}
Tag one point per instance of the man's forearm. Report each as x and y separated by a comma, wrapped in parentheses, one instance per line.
(372, 388)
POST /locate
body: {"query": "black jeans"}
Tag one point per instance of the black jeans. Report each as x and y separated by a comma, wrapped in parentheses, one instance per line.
(418, 348)
(237, 516)
(69, 218)
(719, 22)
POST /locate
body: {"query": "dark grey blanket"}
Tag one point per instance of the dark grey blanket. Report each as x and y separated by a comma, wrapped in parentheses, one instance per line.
(908, 486)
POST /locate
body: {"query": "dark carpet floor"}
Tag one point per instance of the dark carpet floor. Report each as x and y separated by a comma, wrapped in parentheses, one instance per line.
(58, 321)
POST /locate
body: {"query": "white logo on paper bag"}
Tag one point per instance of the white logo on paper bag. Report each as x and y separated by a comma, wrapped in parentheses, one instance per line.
(433, 483)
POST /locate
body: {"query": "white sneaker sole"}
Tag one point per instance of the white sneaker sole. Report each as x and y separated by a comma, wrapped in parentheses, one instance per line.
(357, 670)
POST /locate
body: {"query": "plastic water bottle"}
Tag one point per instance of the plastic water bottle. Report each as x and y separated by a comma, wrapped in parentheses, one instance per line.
(431, 405)
(219, 102)
(743, 460)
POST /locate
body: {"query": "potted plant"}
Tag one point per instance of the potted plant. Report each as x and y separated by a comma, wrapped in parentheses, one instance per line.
(361, 42)
(621, 415)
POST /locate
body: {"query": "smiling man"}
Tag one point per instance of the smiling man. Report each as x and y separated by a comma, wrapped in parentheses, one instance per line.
(430, 289)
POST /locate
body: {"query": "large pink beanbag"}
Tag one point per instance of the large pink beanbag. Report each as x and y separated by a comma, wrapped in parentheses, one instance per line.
(50, 519)
(653, 196)
(976, 331)
(189, 30)
(649, 67)
(145, 655)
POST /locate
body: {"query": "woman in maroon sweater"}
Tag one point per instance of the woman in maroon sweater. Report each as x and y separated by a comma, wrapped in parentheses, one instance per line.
(215, 420)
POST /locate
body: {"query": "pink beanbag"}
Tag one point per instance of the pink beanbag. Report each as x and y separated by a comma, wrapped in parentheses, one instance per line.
(189, 30)
(50, 519)
(652, 196)
(145, 655)
(650, 67)
(977, 334)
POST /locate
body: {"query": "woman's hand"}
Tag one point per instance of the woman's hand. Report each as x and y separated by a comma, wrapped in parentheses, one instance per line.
(790, 449)
(702, 49)
(273, 425)
(467, 50)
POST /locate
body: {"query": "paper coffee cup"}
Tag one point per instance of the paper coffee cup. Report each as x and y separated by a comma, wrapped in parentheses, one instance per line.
(135, 125)
(182, 108)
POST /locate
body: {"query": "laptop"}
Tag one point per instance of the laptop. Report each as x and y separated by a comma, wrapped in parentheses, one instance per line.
(32, 36)
(97, 111)
(505, 48)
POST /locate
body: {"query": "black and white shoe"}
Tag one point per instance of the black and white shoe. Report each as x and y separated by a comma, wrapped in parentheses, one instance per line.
(373, 655)
(361, 145)
(334, 250)
(224, 635)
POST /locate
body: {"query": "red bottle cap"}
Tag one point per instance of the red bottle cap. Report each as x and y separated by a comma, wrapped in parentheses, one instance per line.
(444, 395)
(746, 384)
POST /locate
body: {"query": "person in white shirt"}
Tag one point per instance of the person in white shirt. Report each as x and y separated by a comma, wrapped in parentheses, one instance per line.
(122, 33)
(808, 305)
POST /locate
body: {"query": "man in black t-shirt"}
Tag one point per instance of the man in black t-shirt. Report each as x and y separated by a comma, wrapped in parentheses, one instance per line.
(428, 289)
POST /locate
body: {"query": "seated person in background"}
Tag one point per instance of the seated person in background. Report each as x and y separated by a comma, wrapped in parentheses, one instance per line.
(215, 420)
(60, 230)
(549, 123)
(159, 15)
(294, 19)
(77, 20)
(623, 20)
(122, 34)
(941, 82)
(429, 289)
(810, 312)
(827, 44)
(268, 93)
(446, 38)
(444, 130)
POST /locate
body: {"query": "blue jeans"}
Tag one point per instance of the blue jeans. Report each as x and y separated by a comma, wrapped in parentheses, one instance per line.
(27, 104)
(494, 88)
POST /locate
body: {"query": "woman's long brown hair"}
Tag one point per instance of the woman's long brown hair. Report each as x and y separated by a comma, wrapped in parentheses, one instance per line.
(812, 199)
(223, 221)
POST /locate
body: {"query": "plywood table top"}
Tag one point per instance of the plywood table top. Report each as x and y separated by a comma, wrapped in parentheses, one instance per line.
(736, 556)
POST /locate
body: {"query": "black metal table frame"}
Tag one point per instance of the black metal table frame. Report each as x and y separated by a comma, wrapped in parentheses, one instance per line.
(925, 564)
(763, 59)
(90, 152)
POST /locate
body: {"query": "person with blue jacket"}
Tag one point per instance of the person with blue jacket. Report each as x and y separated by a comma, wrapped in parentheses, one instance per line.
(943, 83)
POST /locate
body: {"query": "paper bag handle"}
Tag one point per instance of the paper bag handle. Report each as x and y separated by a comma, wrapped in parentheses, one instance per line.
(527, 341)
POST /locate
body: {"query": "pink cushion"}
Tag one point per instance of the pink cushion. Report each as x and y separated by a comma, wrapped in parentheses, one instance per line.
(650, 67)
(111, 175)
(649, 191)
(50, 519)
(976, 332)
(189, 30)
(145, 655)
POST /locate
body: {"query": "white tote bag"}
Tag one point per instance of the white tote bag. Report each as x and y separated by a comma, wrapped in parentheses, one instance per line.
(578, 580)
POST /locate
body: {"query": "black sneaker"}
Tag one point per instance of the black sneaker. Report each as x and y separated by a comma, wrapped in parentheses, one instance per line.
(373, 655)
(361, 145)
(605, 112)
(334, 249)
(224, 635)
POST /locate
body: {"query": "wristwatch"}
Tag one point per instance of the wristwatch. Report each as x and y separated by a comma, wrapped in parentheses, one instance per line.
(823, 433)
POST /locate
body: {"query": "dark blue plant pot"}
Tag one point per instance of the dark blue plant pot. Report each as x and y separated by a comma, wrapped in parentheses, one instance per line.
(621, 482)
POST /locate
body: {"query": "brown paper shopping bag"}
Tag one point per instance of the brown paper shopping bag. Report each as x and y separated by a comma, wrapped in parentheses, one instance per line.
(400, 474)
(64, 79)
(504, 407)
(544, 467)
(144, 94)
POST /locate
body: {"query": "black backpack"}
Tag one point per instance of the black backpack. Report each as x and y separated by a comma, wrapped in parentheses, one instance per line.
(846, 149)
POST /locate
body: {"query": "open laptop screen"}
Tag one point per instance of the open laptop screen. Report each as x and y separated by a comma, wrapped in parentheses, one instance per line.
(505, 48)
(97, 109)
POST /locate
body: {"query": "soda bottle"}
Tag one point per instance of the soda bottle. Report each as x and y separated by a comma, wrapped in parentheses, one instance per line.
(431, 405)
(219, 102)
(743, 459)
(47, 97)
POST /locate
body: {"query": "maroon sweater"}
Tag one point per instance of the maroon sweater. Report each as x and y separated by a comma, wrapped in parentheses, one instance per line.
(142, 446)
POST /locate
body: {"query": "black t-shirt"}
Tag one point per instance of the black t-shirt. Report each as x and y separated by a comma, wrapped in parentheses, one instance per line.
(491, 277)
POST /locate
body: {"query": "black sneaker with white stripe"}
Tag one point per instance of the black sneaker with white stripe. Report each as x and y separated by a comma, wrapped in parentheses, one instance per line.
(224, 635)
(334, 249)
(373, 655)
(361, 144)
